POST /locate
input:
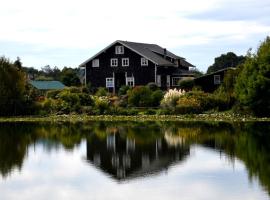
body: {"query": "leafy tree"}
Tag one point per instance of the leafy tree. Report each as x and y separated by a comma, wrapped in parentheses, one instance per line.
(69, 77)
(196, 72)
(51, 72)
(18, 63)
(252, 87)
(12, 87)
(226, 60)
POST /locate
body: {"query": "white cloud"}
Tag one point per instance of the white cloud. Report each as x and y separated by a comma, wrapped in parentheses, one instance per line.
(94, 24)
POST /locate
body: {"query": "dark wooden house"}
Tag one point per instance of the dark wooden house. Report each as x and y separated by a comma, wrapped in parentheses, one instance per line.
(129, 63)
(210, 82)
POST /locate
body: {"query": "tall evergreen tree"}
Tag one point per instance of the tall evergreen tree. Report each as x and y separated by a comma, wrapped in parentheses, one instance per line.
(12, 87)
(252, 87)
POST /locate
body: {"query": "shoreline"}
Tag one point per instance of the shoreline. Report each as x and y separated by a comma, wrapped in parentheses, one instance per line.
(217, 117)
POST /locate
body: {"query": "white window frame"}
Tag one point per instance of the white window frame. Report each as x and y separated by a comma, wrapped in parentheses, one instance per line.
(217, 80)
(175, 81)
(158, 80)
(144, 62)
(114, 62)
(125, 62)
(119, 50)
(130, 81)
(110, 82)
(95, 63)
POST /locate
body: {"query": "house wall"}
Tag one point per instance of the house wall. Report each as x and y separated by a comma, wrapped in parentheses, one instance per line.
(206, 83)
(142, 74)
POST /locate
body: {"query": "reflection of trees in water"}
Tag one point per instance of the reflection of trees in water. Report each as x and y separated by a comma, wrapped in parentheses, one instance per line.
(249, 142)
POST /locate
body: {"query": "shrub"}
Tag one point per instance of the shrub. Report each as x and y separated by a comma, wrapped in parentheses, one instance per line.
(101, 92)
(186, 85)
(140, 96)
(153, 86)
(85, 99)
(156, 97)
(171, 97)
(123, 90)
(198, 101)
(101, 104)
(53, 94)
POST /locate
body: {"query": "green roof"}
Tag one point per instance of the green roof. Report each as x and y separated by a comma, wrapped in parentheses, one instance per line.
(47, 85)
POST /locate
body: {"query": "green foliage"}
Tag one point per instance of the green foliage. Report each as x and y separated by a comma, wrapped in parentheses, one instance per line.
(143, 96)
(102, 104)
(67, 101)
(156, 97)
(44, 78)
(12, 88)
(225, 61)
(252, 87)
(101, 92)
(53, 94)
(69, 77)
(226, 89)
(191, 102)
(153, 86)
(196, 73)
(123, 90)
(186, 85)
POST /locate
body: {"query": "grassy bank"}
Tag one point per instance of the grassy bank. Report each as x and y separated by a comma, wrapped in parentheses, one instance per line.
(84, 118)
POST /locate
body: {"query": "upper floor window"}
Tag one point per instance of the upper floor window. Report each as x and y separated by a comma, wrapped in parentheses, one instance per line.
(119, 49)
(125, 62)
(95, 63)
(216, 79)
(144, 62)
(114, 62)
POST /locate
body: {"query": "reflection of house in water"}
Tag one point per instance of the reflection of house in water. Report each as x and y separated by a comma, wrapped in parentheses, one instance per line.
(124, 158)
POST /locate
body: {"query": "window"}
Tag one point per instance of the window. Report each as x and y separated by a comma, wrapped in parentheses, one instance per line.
(114, 62)
(125, 62)
(216, 79)
(130, 81)
(119, 49)
(95, 63)
(175, 81)
(144, 62)
(158, 80)
(109, 82)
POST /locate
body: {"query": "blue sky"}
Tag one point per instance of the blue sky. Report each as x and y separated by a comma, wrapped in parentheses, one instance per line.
(67, 32)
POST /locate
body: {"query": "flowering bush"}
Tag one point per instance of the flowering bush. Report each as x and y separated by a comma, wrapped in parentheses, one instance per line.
(171, 97)
(101, 104)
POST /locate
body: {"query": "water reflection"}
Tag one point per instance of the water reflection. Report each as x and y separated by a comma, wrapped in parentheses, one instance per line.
(127, 151)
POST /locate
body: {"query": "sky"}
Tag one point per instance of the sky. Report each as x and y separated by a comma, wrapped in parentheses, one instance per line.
(67, 32)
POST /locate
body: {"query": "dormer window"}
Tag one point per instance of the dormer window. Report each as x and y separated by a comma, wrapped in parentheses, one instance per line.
(144, 62)
(95, 63)
(119, 50)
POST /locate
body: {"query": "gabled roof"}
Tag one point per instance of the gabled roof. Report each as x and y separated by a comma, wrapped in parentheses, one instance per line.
(47, 85)
(216, 72)
(152, 52)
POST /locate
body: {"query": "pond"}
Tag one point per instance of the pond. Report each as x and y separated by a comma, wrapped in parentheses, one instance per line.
(135, 160)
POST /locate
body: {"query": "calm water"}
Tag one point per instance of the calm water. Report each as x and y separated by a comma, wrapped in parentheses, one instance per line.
(135, 161)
